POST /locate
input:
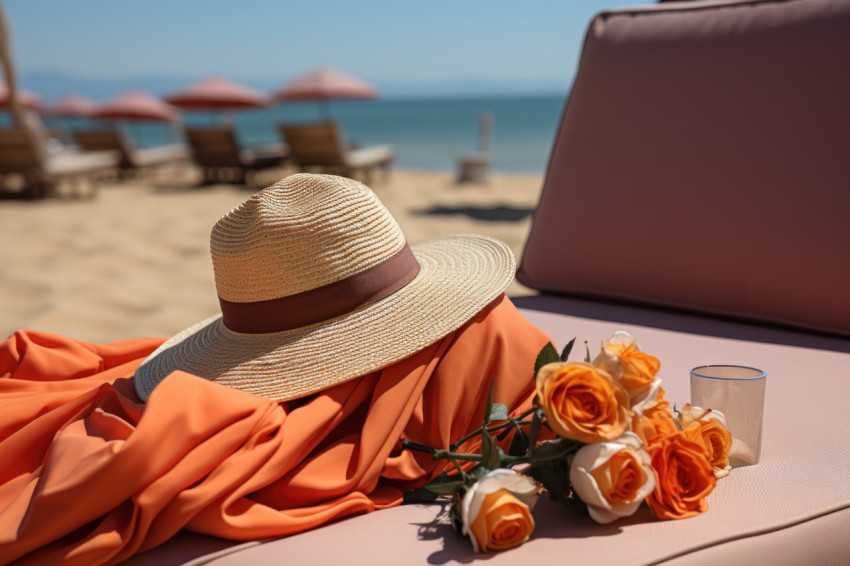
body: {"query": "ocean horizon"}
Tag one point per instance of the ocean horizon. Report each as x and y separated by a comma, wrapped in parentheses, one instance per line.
(427, 133)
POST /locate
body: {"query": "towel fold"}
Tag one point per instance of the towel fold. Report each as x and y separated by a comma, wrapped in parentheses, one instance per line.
(90, 475)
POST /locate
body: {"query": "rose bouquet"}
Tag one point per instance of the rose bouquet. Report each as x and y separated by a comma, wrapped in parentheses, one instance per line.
(600, 438)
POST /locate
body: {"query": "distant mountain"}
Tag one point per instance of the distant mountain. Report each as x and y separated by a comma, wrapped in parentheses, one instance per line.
(54, 85)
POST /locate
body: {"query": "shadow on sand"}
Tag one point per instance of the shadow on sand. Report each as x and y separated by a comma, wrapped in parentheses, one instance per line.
(491, 214)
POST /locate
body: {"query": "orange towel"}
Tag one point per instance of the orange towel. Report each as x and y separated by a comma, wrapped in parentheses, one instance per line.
(90, 475)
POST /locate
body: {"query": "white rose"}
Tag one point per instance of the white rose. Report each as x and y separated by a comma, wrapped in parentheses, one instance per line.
(496, 511)
(622, 357)
(612, 478)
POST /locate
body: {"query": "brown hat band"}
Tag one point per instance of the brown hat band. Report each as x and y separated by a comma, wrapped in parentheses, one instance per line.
(322, 303)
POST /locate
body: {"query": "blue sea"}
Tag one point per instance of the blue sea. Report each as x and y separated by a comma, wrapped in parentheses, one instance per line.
(427, 134)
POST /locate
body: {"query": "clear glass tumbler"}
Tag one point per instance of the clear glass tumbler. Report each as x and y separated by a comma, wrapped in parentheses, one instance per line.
(738, 393)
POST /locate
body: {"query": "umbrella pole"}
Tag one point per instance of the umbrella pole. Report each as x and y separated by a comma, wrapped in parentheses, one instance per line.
(325, 109)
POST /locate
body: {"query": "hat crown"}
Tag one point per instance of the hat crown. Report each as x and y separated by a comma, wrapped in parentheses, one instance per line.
(301, 233)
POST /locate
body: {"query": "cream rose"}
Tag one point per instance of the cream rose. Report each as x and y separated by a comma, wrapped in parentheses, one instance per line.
(612, 478)
(496, 511)
(622, 357)
(707, 427)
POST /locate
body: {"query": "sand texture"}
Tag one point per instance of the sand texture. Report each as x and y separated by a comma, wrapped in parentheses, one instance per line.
(133, 261)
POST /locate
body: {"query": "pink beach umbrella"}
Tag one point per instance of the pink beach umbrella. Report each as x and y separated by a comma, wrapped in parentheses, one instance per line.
(26, 98)
(325, 84)
(217, 93)
(67, 109)
(137, 105)
(71, 106)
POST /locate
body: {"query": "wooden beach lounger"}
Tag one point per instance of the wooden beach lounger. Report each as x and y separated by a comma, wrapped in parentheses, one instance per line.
(133, 159)
(43, 172)
(216, 151)
(696, 197)
(322, 146)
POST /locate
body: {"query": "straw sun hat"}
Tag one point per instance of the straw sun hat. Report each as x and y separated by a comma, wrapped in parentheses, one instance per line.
(317, 286)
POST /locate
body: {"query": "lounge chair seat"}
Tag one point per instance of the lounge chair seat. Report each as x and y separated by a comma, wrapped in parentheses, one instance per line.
(270, 151)
(68, 163)
(217, 152)
(372, 156)
(42, 171)
(133, 159)
(681, 116)
(321, 145)
(161, 155)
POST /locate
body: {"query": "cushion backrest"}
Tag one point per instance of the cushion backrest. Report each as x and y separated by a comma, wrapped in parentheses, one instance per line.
(703, 162)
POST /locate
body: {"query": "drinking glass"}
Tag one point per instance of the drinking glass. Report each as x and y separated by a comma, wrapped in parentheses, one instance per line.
(738, 393)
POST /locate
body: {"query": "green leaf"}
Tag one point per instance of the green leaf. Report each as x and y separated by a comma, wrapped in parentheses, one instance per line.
(546, 356)
(456, 518)
(555, 477)
(498, 412)
(490, 452)
(420, 495)
(489, 408)
(565, 353)
(587, 356)
(476, 473)
(519, 443)
(555, 449)
(445, 488)
(444, 484)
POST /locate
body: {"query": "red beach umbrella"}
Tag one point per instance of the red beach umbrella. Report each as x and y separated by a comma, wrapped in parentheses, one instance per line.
(137, 105)
(324, 84)
(26, 98)
(217, 93)
(71, 106)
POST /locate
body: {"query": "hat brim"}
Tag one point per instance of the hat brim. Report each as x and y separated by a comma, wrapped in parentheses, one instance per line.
(459, 275)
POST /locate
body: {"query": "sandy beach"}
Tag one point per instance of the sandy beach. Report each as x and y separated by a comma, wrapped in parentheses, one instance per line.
(133, 261)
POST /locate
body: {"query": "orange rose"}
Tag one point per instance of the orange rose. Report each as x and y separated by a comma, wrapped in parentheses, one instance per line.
(582, 402)
(622, 357)
(496, 511)
(683, 477)
(652, 416)
(707, 428)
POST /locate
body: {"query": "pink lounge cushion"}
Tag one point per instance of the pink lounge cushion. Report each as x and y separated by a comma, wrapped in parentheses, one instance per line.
(796, 498)
(701, 163)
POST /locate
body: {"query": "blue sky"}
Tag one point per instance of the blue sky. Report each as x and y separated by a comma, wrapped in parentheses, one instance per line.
(384, 41)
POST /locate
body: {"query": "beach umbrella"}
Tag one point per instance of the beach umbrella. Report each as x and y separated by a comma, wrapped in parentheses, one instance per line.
(25, 98)
(71, 106)
(66, 111)
(137, 105)
(217, 93)
(325, 84)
